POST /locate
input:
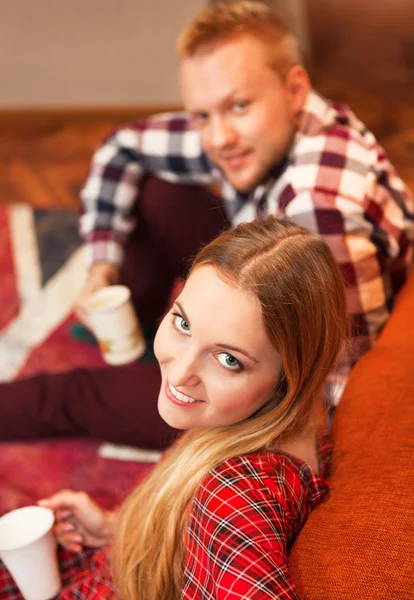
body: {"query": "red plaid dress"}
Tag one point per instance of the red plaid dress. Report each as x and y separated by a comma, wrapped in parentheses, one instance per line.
(245, 517)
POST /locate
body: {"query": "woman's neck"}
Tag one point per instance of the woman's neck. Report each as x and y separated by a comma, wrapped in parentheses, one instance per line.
(303, 447)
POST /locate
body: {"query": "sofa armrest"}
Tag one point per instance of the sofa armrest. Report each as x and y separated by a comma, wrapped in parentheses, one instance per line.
(360, 542)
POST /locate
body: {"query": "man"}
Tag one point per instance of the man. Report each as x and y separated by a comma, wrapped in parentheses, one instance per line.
(256, 128)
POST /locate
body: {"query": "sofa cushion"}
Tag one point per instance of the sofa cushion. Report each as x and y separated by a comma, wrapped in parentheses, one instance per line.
(360, 542)
(399, 330)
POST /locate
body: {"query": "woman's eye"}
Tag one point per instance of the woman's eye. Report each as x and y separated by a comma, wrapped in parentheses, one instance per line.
(181, 324)
(228, 361)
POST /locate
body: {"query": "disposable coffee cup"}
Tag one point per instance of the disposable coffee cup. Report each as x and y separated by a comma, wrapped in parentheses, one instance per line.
(114, 323)
(28, 550)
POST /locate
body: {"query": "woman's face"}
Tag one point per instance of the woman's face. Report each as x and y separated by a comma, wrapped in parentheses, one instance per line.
(217, 363)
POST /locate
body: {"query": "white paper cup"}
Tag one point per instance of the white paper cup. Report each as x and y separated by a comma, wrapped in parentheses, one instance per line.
(28, 549)
(114, 323)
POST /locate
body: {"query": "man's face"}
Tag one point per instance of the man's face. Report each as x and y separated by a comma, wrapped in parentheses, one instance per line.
(245, 114)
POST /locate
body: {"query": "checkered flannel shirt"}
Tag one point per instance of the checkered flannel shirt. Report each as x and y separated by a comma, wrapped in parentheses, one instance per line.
(244, 520)
(336, 181)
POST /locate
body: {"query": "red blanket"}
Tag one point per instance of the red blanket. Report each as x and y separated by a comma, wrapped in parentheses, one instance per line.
(34, 470)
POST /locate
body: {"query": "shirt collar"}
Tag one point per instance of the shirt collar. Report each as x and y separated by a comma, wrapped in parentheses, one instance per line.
(316, 114)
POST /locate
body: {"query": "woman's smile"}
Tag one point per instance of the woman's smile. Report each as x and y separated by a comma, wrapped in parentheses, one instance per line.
(214, 354)
(177, 397)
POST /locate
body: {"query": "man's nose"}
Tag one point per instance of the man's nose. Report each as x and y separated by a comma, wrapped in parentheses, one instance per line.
(222, 132)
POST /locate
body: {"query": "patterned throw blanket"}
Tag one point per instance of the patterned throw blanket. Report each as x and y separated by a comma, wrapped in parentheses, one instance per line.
(42, 272)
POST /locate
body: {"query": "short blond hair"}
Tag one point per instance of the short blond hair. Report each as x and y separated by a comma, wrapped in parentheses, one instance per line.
(225, 20)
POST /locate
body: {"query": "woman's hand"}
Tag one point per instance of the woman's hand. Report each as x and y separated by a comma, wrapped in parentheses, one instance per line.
(79, 521)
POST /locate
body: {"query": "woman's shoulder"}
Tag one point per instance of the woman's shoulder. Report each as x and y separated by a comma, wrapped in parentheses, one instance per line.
(244, 518)
(266, 479)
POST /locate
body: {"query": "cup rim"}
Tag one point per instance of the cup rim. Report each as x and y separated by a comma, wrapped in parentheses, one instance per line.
(126, 294)
(31, 539)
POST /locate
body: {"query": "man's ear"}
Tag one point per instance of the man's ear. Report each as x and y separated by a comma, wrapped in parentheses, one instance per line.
(297, 84)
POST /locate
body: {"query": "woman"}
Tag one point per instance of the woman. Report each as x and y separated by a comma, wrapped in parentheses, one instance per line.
(244, 353)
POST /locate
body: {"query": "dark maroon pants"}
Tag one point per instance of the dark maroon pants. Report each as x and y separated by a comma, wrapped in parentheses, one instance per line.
(119, 404)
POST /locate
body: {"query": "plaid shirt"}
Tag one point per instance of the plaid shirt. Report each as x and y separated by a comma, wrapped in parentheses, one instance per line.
(336, 181)
(244, 519)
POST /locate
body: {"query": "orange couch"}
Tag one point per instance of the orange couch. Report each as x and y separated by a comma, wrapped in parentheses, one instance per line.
(359, 544)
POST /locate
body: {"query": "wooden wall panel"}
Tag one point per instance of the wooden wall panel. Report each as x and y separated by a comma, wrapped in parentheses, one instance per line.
(371, 39)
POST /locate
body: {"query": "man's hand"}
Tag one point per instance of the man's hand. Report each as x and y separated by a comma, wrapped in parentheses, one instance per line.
(79, 521)
(100, 275)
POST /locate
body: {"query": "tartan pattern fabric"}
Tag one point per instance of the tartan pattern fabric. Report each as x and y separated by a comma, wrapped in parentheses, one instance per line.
(336, 181)
(244, 520)
(85, 575)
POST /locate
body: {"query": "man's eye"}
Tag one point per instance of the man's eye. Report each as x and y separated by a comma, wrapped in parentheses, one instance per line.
(239, 107)
(228, 361)
(181, 324)
(200, 118)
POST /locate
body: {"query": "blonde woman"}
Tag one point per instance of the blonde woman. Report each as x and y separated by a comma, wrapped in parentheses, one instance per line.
(244, 354)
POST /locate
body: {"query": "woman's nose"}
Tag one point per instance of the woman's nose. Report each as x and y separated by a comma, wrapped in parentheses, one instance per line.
(184, 371)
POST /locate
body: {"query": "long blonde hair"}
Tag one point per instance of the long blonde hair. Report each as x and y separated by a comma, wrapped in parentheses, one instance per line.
(300, 290)
(225, 20)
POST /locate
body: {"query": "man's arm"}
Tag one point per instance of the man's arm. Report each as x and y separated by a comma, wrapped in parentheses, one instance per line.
(164, 145)
(370, 241)
(342, 186)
